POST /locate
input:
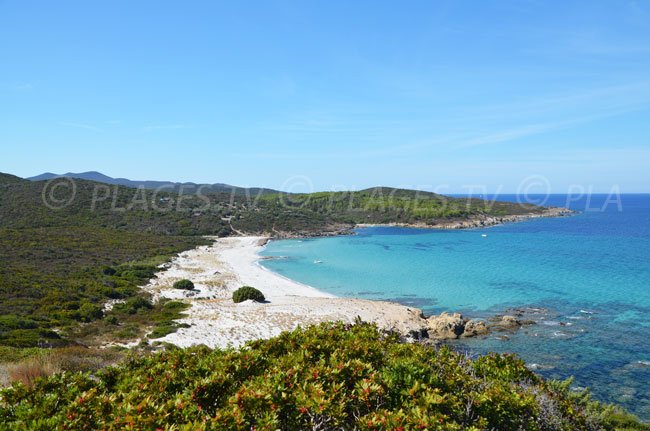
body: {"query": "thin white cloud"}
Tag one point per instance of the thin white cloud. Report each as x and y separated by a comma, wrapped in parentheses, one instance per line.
(152, 128)
(507, 135)
(24, 86)
(82, 126)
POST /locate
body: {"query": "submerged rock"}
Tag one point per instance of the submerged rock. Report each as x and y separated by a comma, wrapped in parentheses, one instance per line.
(509, 323)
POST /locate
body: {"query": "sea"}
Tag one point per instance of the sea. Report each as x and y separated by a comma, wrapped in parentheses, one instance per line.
(584, 280)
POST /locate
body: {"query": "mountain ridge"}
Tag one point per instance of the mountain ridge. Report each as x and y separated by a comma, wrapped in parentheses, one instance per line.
(154, 184)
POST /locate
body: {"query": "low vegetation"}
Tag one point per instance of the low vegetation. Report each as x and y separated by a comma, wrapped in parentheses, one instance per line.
(46, 362)
(245, 293)
(70, 278)
(327, 377)
(184, 284)
(122, 208)
(59, 278)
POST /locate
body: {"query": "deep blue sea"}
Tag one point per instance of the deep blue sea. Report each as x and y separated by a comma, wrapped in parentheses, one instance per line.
(590, 273)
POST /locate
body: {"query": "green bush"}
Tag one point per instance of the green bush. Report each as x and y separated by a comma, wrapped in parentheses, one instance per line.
(328, 377)
(108, 270)
(161, 331)
(184, 284)
(247, 292)
(133, 304)
(175, 305)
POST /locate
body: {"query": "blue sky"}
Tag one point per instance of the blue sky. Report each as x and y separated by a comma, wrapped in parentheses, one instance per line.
(331, 95)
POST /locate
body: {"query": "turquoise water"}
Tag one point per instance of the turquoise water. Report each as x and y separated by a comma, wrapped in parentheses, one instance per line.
(590, 273)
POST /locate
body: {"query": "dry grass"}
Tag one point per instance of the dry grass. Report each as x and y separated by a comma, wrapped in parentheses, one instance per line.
(48, 362)
(28, 370)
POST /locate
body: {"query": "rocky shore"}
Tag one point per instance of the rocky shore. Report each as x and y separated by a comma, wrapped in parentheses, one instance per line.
(481, 220)
(215, 320)
(477, 221)
(449, 326)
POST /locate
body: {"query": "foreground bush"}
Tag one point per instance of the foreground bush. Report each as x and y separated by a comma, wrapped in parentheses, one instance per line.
(184, 284)
(247, 292)
(327, 377)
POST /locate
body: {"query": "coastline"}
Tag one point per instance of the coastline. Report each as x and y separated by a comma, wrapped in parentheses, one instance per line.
(229, 263)
(479, 222)
(219, 269)
(474, 222)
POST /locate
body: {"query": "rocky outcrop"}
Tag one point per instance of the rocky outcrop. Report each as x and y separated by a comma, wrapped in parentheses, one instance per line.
(508, 323)
(449, 326)
(446, 326)
(475, 328)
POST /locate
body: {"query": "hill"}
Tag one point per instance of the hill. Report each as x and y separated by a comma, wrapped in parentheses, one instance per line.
(57, 238)
(69, 247)
(170, 186)
(328, 377)
(9, 179)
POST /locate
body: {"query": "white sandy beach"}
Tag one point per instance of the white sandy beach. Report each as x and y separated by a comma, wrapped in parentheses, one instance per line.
(230, 263)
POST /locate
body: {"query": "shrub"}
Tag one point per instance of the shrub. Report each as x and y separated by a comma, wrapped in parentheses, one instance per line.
(174, 305)
(31, 338)
(331, 376)
(10, 321)
(184, 284)
(133, 304)
(88, 312)
(108, 270)
(161, 331)
(247, 292)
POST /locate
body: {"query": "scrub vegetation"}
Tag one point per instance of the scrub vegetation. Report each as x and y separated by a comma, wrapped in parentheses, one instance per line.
(326, 377)
(69, 283)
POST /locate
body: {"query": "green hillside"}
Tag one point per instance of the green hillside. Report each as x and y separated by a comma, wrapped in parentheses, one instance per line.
(169, 186)
(6, 179)
(60, 265)
(385, 205)
(57, 237)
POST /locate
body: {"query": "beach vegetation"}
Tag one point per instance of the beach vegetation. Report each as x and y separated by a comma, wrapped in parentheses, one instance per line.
(245, 293)
(184, 284)
(327, 377)
(53, 278)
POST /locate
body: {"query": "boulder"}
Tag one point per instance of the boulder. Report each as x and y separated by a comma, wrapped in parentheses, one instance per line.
(509, 321)
(445, 326)
(474, 328)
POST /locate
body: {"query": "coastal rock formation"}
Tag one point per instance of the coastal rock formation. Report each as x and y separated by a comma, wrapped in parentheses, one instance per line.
(478, 221)
(475, 328)
(508, 323)
(446, 326)
(449, 326)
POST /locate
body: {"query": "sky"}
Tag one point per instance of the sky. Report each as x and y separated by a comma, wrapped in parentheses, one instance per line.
(448, 96)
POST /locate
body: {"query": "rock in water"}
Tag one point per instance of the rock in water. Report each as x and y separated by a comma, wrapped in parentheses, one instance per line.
(446, 326)
(474, 328)
(509, 322)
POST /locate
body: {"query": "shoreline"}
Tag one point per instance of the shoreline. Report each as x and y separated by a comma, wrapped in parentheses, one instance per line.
(229, 263)
(475, 222)
(479, 222)
(219, 269)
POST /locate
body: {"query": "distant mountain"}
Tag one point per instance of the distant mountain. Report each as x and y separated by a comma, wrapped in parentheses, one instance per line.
(155, 185)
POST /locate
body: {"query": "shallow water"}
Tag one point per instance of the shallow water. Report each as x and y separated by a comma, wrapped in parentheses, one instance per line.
(590, 273)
